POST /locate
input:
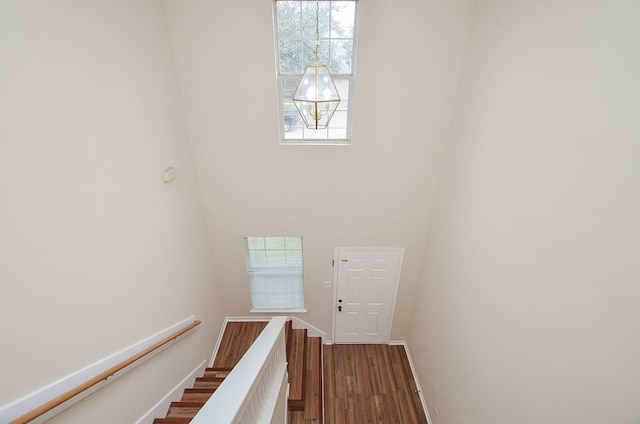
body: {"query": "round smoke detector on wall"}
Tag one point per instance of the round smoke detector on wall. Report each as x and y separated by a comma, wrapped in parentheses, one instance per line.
(169, 174)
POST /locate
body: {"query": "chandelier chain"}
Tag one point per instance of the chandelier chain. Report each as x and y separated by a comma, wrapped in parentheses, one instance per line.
(317, 27)
(316, 97)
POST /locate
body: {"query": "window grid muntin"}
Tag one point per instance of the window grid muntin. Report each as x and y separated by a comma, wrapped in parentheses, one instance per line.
(330, 135)
(339, 134)
(271, 247)
(286, 277)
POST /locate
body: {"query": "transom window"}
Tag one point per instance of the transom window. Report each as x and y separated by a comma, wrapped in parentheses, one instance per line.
(295, 28)
(274, 265)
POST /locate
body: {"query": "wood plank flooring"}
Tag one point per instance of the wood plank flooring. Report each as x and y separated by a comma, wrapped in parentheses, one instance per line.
(312, 413)
(236, 340)
(370, 384)
(362, 383)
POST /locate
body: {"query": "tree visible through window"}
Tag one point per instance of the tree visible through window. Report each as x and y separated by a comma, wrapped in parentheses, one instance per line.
(274, 265)
(295, 23)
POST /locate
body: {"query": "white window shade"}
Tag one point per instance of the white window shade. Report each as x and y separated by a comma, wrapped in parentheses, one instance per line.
(276, 288)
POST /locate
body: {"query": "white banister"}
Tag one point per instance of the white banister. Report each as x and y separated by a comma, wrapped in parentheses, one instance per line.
(254, 392)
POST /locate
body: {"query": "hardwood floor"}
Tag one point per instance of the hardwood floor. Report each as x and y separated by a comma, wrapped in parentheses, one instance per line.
(236, 340)
(370, 384)
(362, 383)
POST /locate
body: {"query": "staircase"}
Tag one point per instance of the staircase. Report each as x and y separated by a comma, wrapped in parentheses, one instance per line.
(304, 368)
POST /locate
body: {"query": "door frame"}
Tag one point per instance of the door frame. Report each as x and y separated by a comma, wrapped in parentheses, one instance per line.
(336, 264)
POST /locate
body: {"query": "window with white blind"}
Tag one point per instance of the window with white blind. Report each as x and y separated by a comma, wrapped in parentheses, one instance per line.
(274, 265)
(295, 33)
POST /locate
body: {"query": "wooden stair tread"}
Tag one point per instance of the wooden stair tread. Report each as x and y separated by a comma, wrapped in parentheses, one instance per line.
(297, 364)
(206, 384)
(313, 377)
(172, 420)
(215, 373)
(312, 413)
(304, 357)
(187, 404)
(184, 409)
(198, 395)
(211, 379)
(236, 340)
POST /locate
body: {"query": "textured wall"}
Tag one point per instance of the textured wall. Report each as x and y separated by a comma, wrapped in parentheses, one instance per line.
(96, 251)
(377, 192)
(529, 307)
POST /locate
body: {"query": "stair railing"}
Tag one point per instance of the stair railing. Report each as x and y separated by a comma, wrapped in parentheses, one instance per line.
(255, 391)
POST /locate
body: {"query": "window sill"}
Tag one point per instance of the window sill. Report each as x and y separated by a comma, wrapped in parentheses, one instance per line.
(278, 311)
(315, 142)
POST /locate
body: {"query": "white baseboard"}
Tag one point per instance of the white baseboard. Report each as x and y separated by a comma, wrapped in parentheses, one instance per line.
(415, 377)
(312, 331)
(51, 391)
(160, 409)
(215, 349)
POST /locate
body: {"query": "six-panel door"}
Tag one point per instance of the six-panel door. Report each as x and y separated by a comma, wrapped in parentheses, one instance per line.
(366, 288)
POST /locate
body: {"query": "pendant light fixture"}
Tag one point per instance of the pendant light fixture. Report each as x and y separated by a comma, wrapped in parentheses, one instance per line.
(316, 97)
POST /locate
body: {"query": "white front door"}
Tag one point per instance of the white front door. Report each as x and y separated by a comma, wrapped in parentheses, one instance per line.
(365, 294)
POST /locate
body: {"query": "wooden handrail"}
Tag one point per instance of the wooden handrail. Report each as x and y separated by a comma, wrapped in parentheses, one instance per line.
(32, 415)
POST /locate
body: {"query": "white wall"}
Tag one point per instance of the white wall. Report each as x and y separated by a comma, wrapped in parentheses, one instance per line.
(529, 305)
(376, 192)
(96, 252)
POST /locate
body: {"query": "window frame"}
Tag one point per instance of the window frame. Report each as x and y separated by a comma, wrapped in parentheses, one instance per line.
(255, 271)
(349, 78)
